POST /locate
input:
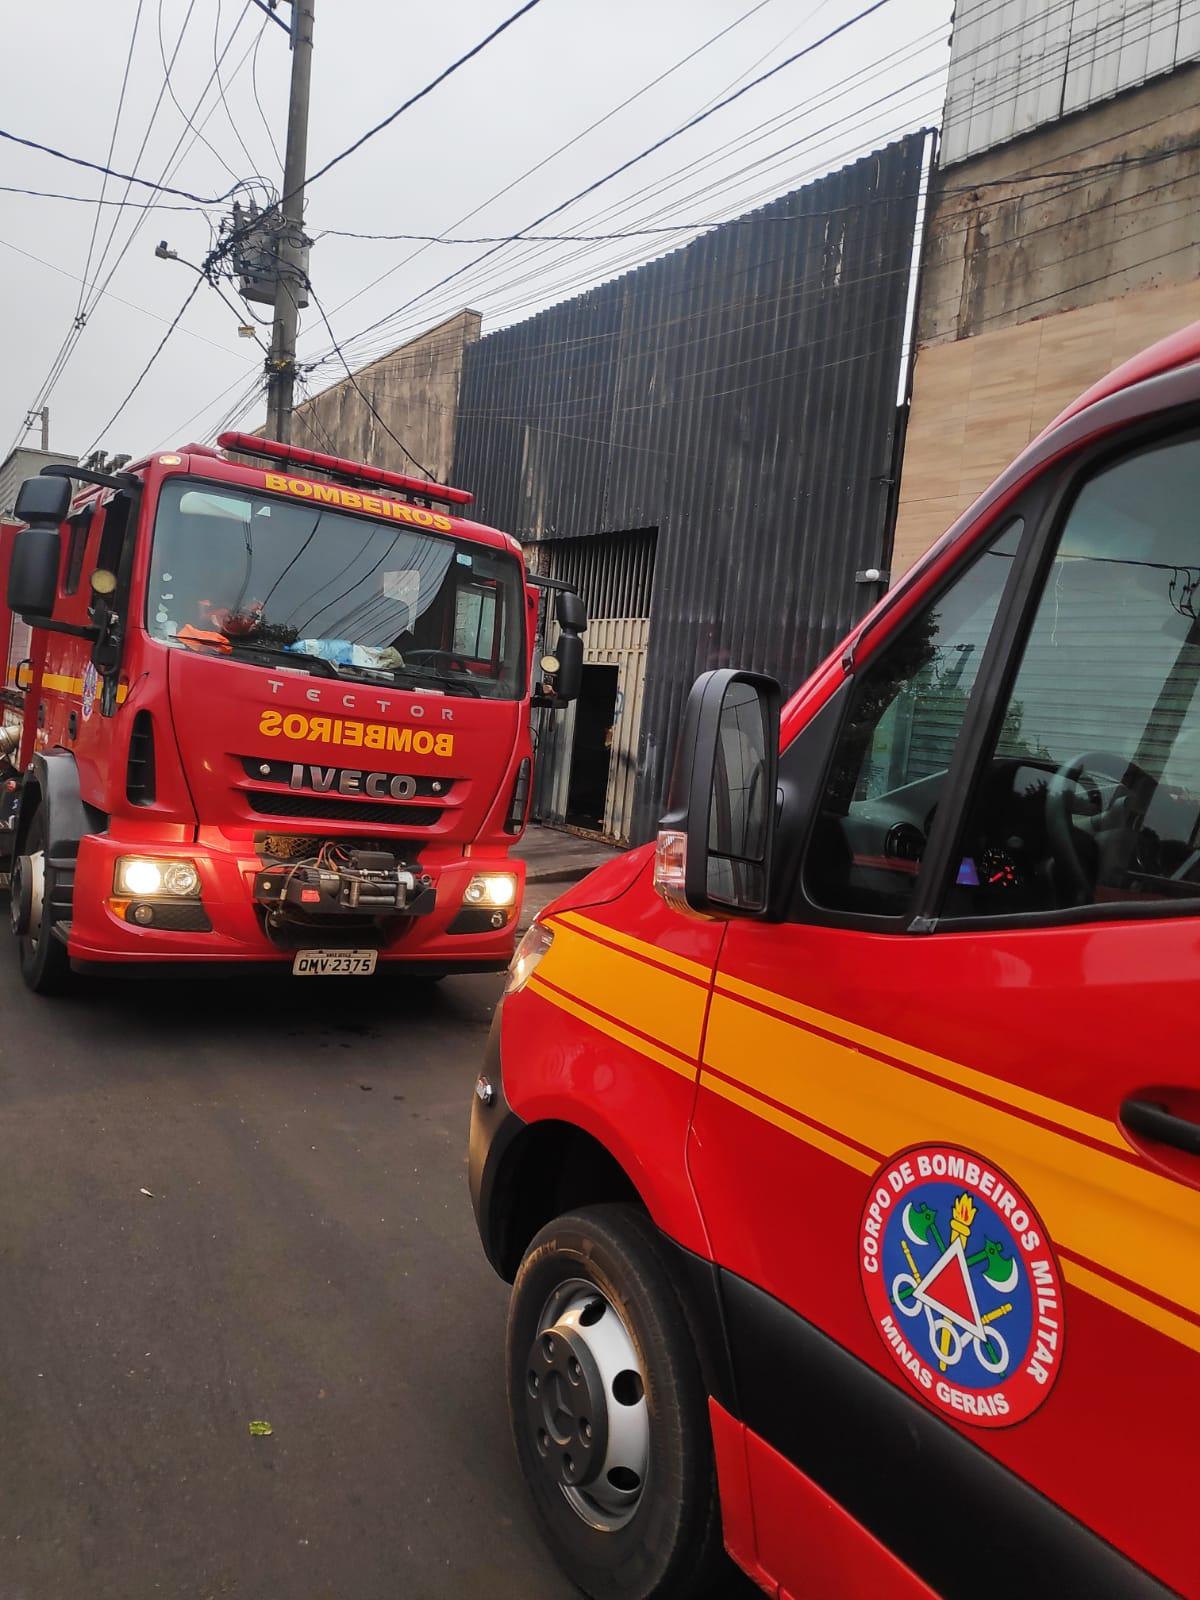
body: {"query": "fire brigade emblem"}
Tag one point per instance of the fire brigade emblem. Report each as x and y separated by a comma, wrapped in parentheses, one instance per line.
(962, 1285)
(90, 677)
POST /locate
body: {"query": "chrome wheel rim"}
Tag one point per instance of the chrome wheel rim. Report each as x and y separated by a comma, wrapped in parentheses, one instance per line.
(585, 1406)
(26, 890)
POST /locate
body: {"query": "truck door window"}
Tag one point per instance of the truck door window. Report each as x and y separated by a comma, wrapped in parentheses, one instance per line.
(474, 622)
(1091, 792)
(115, 519)
(78, 527)
(891, 761)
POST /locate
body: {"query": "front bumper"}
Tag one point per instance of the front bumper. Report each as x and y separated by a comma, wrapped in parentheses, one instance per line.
(100, 937)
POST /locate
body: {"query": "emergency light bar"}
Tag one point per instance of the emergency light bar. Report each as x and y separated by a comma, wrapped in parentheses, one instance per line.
(249, 444)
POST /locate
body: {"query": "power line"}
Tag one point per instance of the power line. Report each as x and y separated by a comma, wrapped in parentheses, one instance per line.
(702, 224)
(808, 374)
(127, 177)
(129, 304)
(1080, 177)
(209, 201)
(235, 235)
(702, 160)
(611, 266)
(173, 162)
(91, 200)
(217, 59)
(658, 144)
(567, 145)
(412, 100)
(1074, 174)
(87, 266)
(66, 349)
(254, 84)
(167, 66)
(175, 321)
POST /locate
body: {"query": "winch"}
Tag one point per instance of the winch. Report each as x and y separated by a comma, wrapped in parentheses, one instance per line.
(346, 880)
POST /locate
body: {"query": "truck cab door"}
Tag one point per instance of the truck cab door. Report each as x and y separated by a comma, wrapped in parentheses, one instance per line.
(947, 1133)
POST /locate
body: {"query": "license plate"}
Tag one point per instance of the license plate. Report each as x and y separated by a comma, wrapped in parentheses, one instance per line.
(334, 963)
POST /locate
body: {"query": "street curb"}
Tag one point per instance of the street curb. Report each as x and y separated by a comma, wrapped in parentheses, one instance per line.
(559, 875)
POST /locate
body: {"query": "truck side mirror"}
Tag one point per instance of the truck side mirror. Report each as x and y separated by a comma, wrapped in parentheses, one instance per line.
(715, 840)
(37, 550)
(568, 680)
(572, 621)
(571, 612)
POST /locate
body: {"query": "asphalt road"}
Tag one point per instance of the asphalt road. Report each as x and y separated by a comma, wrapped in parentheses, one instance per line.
(305, 1256)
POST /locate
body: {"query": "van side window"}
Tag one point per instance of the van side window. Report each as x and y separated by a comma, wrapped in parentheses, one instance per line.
(892, 756)
(1091, 792)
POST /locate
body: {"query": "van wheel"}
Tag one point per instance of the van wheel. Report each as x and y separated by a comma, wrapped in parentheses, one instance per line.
(45, 965)
(609, 1412)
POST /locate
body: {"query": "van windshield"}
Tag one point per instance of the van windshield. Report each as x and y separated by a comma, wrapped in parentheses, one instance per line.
(233, 572)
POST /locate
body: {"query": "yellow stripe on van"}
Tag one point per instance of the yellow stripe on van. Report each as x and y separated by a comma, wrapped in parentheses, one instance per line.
(650, 1000)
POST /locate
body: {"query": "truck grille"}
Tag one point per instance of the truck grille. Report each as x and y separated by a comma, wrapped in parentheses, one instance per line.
(268, 804)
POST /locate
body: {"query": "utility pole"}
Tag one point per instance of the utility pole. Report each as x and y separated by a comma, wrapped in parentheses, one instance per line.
(44, 417)
(281, 362)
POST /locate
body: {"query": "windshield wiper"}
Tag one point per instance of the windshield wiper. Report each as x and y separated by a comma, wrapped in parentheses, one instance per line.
(456, 685)
(291, 658)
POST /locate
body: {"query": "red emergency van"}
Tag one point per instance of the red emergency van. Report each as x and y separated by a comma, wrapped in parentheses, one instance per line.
(844, 1151)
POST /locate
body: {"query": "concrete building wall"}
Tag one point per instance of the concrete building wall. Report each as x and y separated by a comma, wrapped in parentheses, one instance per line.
(1031, 291)
(977, 403)
(21, 464)
(414, 389)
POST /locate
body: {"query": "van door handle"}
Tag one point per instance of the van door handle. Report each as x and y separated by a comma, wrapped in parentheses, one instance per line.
(1154, 1121)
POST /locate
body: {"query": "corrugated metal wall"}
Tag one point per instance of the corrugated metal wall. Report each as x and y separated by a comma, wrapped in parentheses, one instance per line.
(740, 396)
(1018, 64)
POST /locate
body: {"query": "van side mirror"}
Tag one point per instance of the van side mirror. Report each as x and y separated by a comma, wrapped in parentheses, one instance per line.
(37, 550)
(715, 841)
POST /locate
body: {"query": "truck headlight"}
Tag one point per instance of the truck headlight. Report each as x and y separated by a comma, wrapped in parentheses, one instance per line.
(141, 876)
(492, 889)
(528, 954)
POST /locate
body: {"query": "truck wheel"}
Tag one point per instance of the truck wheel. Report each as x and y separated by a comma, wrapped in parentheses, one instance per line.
(609, 1413)
(45, 965)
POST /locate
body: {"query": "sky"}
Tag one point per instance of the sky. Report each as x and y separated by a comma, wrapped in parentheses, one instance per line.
(461, 163)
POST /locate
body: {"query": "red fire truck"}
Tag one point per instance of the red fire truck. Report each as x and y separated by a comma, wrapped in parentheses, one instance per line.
(844, 1152)
(268, 717)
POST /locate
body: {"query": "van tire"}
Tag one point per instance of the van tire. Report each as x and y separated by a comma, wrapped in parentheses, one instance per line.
(671, 1545)
(45, 965)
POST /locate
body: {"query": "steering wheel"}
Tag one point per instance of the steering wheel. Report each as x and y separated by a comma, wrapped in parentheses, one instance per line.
(1064, 840)
(436, 658)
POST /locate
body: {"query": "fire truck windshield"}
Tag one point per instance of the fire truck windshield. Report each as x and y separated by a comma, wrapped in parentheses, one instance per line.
(232, 571)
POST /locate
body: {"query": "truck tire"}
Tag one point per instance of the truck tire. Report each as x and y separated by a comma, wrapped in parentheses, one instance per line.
(45, 965)
(609, 1413)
